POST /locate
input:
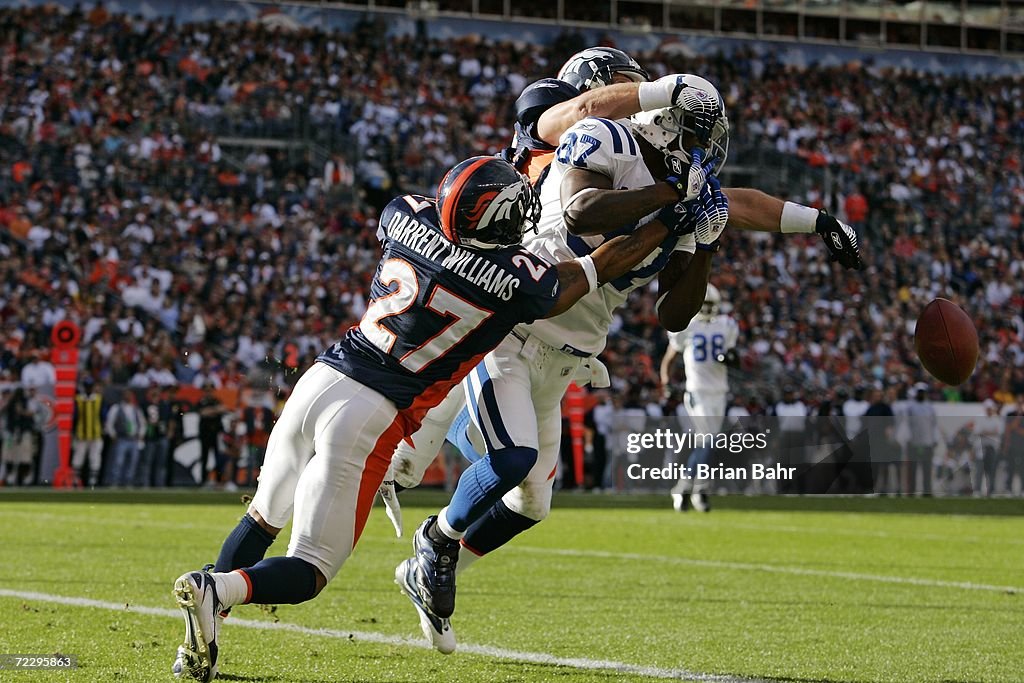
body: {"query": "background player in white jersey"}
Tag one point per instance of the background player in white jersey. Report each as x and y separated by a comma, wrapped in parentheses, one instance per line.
(708, 348)
(452, 282)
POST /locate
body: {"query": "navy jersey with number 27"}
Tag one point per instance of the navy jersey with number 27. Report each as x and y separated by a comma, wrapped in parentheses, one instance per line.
(436, 308)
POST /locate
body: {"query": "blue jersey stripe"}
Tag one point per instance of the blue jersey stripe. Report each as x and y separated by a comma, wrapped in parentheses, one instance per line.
(626, 281)
(616, 138)
(578, 246)
(629, 138)
(490, 406)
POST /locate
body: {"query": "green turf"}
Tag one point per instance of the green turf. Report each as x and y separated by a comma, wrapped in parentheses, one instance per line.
(765, 591)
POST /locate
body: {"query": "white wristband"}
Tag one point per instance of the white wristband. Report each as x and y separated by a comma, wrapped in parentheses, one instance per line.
(657, 94)
(590, 270)
(797, 218)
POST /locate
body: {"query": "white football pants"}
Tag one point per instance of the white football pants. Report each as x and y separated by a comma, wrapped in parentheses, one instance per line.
(514, 397)
(326, 458)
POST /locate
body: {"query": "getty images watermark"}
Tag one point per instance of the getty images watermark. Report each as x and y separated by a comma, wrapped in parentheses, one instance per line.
(667, 440)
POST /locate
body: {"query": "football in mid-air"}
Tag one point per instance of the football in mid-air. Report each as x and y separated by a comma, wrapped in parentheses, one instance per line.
(946, 342)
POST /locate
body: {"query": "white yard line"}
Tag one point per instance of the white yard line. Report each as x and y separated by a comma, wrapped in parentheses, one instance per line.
(771, 568)
(870, 533)
(582, 663)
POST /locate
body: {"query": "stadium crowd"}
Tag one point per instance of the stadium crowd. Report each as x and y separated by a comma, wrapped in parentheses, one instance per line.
(186, 261)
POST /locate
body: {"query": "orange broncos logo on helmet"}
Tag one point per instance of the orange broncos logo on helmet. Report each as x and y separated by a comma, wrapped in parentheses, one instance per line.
(477, 212)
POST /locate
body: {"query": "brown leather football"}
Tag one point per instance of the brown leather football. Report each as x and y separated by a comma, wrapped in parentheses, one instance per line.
(946, 342)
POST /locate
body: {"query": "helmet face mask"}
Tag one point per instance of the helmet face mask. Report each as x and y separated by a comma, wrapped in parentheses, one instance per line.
(485, 203)
(596, 67)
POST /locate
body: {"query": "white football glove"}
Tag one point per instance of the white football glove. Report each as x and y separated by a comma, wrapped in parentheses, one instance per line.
(711, 211)
(672, 91)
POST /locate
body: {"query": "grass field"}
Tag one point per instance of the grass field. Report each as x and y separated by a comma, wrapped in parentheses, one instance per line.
(608, 589)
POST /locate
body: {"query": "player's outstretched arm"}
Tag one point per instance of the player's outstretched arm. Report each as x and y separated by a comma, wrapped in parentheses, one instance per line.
(611, 102)
(614, 258)
(751, 209)
(754, 210)
(591, 207)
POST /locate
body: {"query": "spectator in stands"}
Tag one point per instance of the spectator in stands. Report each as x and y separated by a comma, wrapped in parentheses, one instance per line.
(953, 475)
(600, 421)
(19, 441)
(39, 371)
(258, 419)
(125, 425)
(989, 432)
(853, 412)
(884, 449)
(856, 209)
(1013, 444)
(921, 449)
(88, 432)
(211, 426)
(792, 414)
(39, 408)
(157, 456)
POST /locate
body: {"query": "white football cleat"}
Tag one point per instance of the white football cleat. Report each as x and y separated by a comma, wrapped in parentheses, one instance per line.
(196, 594)
(178, 667)
(679, 502)
(392, 507)
(701, 502)
(438, 631)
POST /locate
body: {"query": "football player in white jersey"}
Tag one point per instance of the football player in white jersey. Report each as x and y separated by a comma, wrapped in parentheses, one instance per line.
(708, 347)
(601, 82)
(606, 179)
(532, 368)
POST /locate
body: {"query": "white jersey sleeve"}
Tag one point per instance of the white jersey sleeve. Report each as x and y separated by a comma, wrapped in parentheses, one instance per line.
(678, 340)
(732, 332)
(600, 145)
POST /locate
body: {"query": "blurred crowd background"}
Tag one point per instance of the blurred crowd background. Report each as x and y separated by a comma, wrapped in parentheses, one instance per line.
(202, 199)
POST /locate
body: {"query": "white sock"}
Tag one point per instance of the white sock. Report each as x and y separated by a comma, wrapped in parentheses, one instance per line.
(446, 528)
(232, 587)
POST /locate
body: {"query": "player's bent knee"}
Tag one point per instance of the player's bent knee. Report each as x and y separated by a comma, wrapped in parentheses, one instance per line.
(258, 518)
(529, 500)
(513, 464)
(321, 582)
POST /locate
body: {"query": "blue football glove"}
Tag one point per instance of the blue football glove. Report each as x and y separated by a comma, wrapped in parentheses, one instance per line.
(705, 217)
(689, 181)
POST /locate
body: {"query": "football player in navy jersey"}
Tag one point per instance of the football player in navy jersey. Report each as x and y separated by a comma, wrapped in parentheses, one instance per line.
(452, 283)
